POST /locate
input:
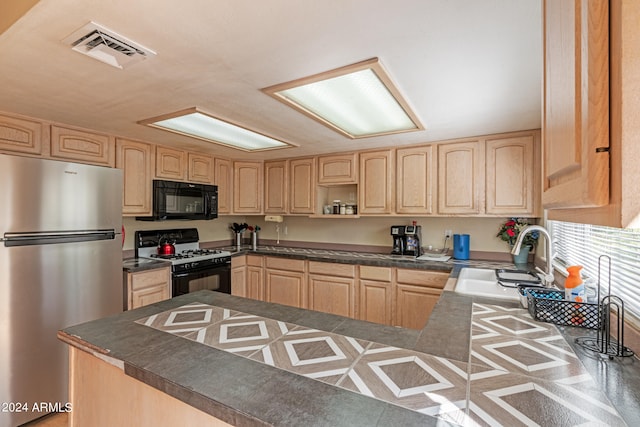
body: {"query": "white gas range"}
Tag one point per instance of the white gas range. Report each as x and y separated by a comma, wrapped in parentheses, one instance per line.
(192, 268)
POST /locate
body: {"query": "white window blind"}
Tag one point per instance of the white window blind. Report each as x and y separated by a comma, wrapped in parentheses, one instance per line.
(583, 244)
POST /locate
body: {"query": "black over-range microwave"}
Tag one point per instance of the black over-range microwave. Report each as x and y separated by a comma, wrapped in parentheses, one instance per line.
(183, 200)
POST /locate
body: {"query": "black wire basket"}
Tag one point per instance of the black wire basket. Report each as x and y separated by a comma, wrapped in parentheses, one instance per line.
(549, 305)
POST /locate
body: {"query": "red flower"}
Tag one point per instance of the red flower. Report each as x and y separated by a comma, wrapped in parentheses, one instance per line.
(510, 232)
(510, 223)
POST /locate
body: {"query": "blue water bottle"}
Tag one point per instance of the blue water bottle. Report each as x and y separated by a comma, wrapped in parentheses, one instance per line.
(461, 246)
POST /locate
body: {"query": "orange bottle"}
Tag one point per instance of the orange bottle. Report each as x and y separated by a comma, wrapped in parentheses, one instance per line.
(573, 286)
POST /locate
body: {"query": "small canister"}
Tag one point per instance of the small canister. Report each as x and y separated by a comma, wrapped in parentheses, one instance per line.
(343, 209)
(336, 207)
(349, 210)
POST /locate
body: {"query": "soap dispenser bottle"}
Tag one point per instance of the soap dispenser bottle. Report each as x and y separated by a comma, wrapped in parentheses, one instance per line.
(573, 286)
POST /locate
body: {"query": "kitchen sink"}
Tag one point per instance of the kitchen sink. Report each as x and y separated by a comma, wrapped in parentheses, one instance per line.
(482, 282)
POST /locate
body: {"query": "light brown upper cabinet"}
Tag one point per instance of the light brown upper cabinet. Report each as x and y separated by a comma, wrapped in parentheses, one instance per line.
(276, 185)
(460, 178)
(171, 163)
(248, 187)
(376, 182)
(21, 135)
(415, 180)
(136, 161)
(338, 169)
(200, 168)
(513, 177)
(223, 172)
(302, 186)
(82, 146)
(576, 103)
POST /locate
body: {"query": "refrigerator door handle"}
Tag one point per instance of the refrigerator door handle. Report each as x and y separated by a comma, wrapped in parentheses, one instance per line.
(46, 238)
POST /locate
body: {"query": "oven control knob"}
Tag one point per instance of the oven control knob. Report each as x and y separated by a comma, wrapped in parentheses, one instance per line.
(193, 265)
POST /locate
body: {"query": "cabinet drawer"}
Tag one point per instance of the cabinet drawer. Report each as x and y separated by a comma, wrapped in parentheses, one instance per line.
(254, 260)
(430, 279)
(382, 274)
(238, 261)
(285, 264)
(149, 278)
(332, 269)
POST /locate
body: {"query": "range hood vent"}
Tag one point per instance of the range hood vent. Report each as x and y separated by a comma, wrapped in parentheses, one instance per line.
(107, 46)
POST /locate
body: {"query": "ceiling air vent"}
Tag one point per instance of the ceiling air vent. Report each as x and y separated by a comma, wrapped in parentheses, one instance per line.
(107, 46)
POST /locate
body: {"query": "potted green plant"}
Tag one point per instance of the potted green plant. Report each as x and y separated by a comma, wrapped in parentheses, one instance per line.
(509, 232)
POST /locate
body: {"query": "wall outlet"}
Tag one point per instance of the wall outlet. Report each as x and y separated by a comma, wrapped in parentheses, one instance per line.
(448, 234)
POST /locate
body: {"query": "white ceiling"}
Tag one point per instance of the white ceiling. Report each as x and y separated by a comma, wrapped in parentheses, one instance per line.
(468, 67)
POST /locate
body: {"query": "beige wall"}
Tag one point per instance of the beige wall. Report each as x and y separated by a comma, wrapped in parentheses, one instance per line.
(361, 231)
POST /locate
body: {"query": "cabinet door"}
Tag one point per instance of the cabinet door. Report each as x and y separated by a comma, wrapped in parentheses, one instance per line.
(223, 172)
(416, 180)
(276, 186)
(248, 189)
(460, 178)
(414, 305)
(576, 103)
(135, 159)
(255, 287)
(21, 135)
(332, 288)
(376, 182)
(148, 287)
(375, 301)
(255, 277)
(510, 172)
(286, 287)
(83, 147)
(338, 169)
(239, 276)
(302, 189)
(375, 294)
(170, 163)
(200, 168)
(330, 294)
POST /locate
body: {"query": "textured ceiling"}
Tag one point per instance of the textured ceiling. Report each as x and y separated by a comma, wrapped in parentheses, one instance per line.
(468, 67)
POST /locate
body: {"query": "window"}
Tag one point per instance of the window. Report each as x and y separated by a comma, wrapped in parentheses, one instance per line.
(583, 244)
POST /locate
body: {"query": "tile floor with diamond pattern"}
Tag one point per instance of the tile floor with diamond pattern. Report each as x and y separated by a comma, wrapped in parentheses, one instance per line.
(520, 372)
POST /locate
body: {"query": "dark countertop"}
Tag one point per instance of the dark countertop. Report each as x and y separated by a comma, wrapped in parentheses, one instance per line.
(237, 390)
(327, 255)
(243, 392)
(132, 265)
(362, 258)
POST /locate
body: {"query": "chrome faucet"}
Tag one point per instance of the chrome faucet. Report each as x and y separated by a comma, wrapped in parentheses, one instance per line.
(548, 277)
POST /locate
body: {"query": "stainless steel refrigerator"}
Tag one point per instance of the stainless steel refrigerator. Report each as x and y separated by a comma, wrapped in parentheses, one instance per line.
(60, 265)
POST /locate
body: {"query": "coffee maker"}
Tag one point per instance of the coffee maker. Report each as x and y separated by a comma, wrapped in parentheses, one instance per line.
(406, 240)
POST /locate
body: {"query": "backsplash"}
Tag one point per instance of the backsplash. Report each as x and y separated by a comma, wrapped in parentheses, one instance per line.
(362, 231)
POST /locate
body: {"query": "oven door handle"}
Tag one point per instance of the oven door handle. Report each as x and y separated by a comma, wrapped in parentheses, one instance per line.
(213, 270)
(177, 276)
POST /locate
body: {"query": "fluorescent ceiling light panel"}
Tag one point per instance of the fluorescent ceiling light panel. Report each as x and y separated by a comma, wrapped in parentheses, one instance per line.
(203, 126)
(358, 100)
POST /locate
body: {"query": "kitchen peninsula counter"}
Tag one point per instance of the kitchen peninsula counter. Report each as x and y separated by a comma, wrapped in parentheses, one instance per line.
(240, 389)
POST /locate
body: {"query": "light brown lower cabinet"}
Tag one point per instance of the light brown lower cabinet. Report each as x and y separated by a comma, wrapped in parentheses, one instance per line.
(103, 395)
(416, 293)
(332, 288)
(146, 287)
(254, 277)
(285, 282)
(375, 290)
(385, 295)
(239, 276)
